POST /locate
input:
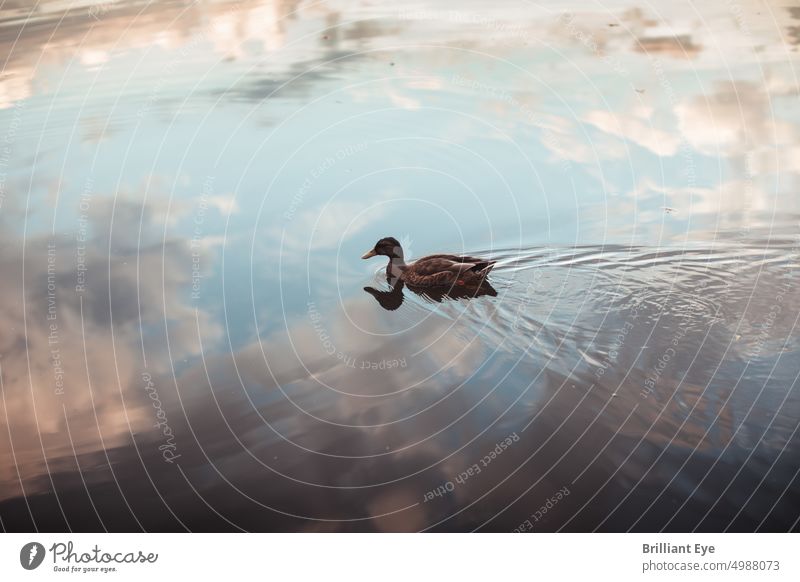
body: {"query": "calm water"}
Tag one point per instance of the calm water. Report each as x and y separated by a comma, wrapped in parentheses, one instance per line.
(186, 189)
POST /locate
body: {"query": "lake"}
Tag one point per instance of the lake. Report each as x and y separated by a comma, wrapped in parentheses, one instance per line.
(191, 340)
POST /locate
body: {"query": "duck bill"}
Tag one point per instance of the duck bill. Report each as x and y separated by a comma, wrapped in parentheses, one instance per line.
(369, 254)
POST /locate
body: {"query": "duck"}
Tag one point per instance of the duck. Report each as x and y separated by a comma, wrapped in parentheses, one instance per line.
(432, 271)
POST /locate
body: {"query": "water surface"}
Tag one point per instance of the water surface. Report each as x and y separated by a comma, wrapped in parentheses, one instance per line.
(186, 189)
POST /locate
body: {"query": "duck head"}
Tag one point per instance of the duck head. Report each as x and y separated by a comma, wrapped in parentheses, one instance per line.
(389, 247)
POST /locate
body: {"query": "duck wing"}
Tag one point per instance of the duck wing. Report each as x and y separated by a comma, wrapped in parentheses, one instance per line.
(446, 270)
(455, 258)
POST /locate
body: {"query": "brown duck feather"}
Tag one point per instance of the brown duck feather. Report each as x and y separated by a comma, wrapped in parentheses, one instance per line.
(446, 271)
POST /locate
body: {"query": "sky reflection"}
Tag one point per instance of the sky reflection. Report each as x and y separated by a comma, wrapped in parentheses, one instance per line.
(186, 189)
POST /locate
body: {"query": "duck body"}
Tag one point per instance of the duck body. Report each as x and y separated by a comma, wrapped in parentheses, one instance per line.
(432, 271)
(446, 271)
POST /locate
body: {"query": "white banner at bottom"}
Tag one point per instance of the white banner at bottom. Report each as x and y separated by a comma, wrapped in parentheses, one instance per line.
(401, 557)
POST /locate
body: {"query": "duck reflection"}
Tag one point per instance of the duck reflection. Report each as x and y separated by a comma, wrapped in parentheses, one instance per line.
(393, 298)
